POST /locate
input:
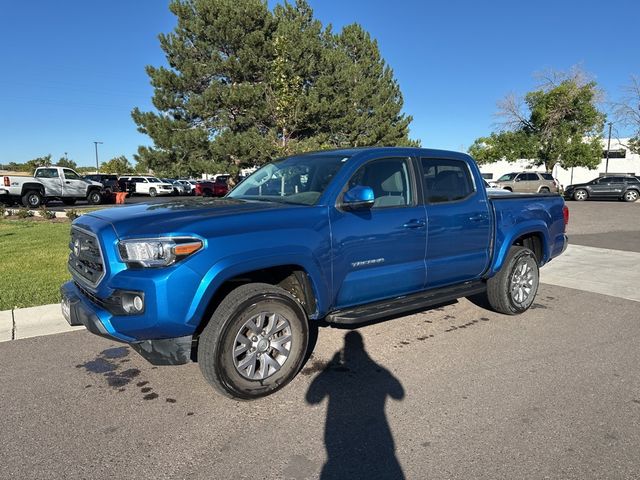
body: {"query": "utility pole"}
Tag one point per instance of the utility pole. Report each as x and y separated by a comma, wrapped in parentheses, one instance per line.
(606, 165)
(97, 164)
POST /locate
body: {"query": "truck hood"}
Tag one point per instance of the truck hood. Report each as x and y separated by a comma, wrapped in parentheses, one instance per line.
(178, 216)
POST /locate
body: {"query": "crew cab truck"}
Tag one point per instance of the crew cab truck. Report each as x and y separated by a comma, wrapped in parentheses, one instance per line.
(50, 183)
(347, 236)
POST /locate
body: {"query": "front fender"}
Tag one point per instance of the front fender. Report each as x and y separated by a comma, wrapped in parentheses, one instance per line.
(235, 265)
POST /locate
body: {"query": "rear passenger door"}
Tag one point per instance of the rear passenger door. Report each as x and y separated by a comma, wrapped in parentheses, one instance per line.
(458, 222)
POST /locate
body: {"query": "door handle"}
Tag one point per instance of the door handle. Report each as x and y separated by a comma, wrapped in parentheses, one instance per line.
(414, 224)
(67, 181)
(477, 218)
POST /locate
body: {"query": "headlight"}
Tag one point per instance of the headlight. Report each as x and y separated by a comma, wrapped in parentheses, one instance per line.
(157, 252)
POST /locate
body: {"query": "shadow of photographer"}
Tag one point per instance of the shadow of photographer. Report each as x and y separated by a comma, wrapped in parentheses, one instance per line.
(357, 436)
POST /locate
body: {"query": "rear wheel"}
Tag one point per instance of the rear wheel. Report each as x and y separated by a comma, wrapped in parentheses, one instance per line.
(32, 199)
(513, 289)
(544, 190)
(254, 343)
(580, 195)
(630, 196)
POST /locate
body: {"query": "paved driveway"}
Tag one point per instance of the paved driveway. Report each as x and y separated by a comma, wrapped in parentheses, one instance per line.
(452, 392)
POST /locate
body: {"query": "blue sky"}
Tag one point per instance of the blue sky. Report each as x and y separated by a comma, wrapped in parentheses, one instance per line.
(72, 70)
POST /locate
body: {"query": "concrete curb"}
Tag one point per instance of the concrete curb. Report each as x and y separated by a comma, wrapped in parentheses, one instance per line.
(31, 322)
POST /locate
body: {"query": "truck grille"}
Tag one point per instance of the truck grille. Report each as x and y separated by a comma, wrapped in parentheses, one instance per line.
(85, 260)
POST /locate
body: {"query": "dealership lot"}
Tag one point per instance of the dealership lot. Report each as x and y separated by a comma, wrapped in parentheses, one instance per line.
(553, 393)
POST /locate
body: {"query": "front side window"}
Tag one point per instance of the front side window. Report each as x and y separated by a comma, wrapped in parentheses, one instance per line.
(298, 180)
(446, 180)
(389, 180)
(508, 177)
(71, 175)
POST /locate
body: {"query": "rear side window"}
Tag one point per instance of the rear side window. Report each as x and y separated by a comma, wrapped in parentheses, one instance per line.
(547, 176)
(47, 173)
(446, 180)
(632, 180)
(529, 177)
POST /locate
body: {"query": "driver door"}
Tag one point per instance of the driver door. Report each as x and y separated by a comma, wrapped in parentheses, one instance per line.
(73, 185)
(379, 252)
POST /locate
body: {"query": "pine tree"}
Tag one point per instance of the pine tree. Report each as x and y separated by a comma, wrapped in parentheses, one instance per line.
(246, 85)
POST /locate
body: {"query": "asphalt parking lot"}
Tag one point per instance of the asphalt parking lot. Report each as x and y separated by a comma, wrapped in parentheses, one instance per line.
(452, 392)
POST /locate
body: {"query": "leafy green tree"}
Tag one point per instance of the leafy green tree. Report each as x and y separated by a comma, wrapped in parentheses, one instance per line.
(119, 165)
(246, 84)
(44, 161)
(559, 123)
(65, 162)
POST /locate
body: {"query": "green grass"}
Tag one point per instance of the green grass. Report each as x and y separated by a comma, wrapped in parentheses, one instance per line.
(33, 262)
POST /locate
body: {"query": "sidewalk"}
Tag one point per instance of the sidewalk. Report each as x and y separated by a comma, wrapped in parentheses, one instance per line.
(33, 322)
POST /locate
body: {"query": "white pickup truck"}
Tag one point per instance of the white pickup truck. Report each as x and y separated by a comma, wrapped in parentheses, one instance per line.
(49, 183)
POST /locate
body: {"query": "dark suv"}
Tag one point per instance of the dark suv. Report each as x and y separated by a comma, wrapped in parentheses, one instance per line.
(109, 182)
(625, 188)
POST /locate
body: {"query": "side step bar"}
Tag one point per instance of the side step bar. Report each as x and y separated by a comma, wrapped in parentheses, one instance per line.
(396, 306)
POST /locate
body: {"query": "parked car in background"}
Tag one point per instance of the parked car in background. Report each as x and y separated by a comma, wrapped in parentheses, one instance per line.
(188, 188)
(215, 188)
(178, 188)
(109, 182)
(49, 183)
(144, 185)
(625, 188)
(528, 182)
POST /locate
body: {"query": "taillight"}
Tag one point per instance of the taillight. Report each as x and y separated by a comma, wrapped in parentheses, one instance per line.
(565, 214)
(6, 181)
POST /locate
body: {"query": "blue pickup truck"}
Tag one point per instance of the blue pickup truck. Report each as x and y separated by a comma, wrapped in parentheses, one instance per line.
(344, 236)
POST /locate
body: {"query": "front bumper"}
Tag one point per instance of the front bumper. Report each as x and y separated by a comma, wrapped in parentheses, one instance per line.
(79, 310)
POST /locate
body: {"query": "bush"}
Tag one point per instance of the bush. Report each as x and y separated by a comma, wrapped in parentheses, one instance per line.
(24, 213)
(48, 214)
(72, 214)
(3, 209)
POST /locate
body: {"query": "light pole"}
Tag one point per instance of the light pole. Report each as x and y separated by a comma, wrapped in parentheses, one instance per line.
(97, 164)
(606, 165)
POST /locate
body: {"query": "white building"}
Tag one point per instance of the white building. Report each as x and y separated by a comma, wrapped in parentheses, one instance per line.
(621, 161)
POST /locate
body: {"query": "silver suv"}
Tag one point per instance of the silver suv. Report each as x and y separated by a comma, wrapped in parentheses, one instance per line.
(528, 182)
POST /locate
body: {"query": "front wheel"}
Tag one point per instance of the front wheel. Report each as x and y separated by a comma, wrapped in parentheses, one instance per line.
(630, 196)
(153, 192)
(513, 289)
(254, 343)
(94, 197)
(580, 195)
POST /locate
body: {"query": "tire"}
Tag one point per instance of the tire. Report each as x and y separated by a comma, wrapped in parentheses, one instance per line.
(69, 201)
(544, 190)
(508, 189)
(237, 375)
(94, 197)
(630, 196)
(580, 195)
(153, 192)
(32, 199)
(507, 290)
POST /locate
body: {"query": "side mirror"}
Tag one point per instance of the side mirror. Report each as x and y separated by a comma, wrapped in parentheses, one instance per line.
(358, 197)
(517, 179)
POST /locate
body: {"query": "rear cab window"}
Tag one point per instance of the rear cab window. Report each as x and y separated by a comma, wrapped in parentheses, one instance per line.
(446, 180)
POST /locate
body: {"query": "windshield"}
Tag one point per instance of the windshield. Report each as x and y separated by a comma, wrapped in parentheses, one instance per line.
(507, 177)
(299, 180)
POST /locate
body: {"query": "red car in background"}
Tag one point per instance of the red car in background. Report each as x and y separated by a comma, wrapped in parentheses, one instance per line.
(212, 188)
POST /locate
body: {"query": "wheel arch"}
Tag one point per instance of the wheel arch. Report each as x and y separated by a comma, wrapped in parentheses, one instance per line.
(28, 186)
(295, 277)
(531, 235)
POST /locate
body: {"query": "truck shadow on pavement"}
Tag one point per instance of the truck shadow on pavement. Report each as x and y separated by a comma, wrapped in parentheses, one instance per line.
(357, 436)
